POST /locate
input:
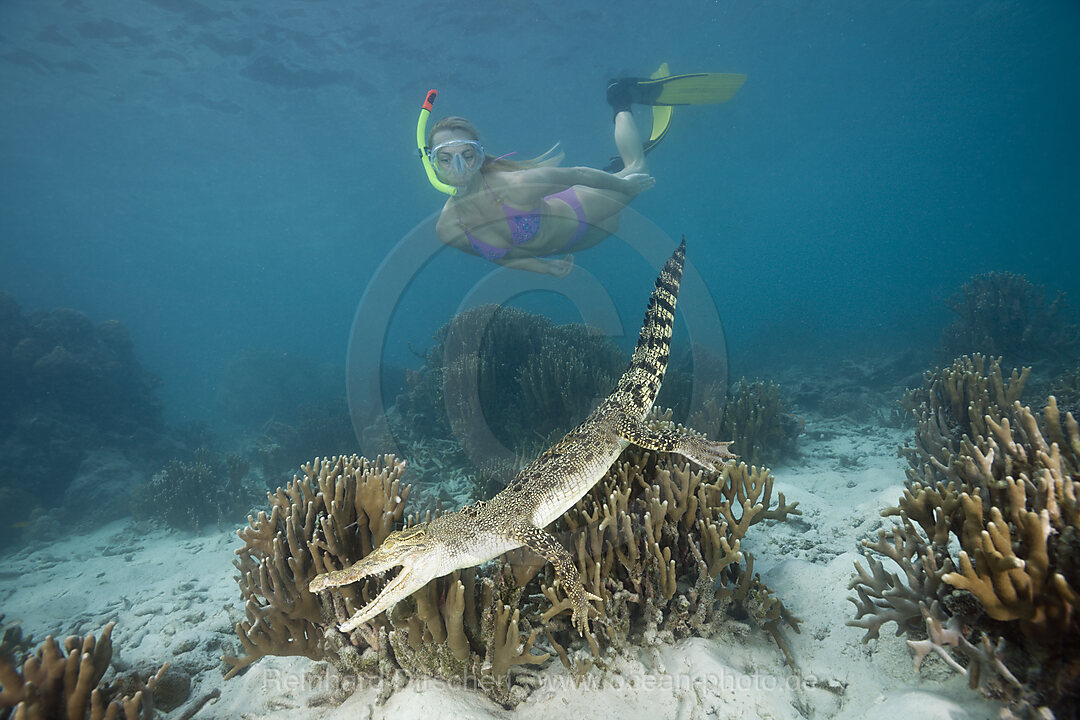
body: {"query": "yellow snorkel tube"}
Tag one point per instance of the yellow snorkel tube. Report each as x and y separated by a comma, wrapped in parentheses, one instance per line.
(421, 144)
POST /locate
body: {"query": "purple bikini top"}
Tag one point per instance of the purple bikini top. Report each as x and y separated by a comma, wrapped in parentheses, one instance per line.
(524, 224)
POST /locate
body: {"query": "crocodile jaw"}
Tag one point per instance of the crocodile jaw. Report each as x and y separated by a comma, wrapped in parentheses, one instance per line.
(407, 582)
(418, 566)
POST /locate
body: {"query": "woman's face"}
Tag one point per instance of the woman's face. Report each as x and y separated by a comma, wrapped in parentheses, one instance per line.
(456, 156)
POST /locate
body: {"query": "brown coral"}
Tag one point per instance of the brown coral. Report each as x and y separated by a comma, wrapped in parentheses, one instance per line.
(1005, 314)
(988, 535)
(66, 683)
(332, 517)
(653, 536)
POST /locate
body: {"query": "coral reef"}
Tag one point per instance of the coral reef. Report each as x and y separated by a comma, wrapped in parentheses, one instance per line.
(953, 404)
(60, 361)
(661, 544)
(986, 542)
(187, 495)
(999, 313)
(754, 417)
(66, 683)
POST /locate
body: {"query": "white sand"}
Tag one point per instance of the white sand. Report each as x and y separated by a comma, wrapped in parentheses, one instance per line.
(174, 599)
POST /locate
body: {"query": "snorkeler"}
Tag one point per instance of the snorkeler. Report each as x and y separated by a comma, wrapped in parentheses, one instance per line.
(520, 213)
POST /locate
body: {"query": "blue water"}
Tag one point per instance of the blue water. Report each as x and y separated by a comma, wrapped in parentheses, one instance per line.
(224, 176)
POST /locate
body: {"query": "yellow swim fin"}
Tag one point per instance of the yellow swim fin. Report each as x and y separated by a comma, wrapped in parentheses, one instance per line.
(661, 114)
(690, 89)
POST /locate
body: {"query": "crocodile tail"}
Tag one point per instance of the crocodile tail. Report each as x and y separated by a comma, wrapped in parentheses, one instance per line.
(640, 384)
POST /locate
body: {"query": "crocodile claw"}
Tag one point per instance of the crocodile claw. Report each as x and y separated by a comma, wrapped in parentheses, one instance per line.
(706, 453)
(582, 610)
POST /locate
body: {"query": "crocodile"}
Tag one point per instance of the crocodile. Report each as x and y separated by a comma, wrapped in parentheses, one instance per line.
(546, 488)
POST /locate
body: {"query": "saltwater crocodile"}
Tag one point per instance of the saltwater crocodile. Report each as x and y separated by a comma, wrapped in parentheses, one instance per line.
(547, 487)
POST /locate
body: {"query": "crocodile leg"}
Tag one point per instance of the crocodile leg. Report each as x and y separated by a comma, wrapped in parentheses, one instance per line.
(699, 449)
(547, 547)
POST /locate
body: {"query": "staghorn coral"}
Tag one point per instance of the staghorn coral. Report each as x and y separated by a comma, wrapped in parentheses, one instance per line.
(952, 405)
(754, 417)
(66, 683)
(1000, 313)
(987, 540)
(653, 538)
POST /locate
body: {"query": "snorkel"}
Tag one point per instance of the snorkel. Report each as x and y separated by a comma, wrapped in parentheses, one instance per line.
(421, 144)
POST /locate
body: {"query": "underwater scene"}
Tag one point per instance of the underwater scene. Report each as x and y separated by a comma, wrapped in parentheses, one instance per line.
(529, 360)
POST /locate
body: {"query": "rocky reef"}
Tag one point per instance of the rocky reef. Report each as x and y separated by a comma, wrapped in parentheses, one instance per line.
(660, 543)
(497, 383)
(71, 392)
(753, 415)
(1004, 314)
(208, 489)
(980, 567)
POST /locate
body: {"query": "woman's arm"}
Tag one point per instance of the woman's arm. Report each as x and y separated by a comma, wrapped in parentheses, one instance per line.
(548, 180)
(451, 233)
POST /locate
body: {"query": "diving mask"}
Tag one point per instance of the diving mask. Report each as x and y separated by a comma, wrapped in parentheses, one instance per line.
(457, 159)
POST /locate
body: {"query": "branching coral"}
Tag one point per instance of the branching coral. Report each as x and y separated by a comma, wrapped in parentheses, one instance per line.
(652, 538)
(336, 514)
(661, 544)
(330, 518)
(953, 405)
(987, 540)
(1066, 388)
(66, 683)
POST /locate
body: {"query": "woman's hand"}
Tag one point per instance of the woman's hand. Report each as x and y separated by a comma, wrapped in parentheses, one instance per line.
(637, 183)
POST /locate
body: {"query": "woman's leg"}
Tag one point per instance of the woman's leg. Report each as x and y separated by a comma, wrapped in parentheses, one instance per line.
(628, 142)
(600, 205)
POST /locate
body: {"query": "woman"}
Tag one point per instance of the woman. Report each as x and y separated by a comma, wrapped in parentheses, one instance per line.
(520, 213)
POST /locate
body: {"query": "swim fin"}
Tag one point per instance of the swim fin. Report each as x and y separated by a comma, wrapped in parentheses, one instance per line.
(661, 122)
(689, 89)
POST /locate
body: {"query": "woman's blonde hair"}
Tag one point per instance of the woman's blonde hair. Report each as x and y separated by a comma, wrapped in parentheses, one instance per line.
(460, 124)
